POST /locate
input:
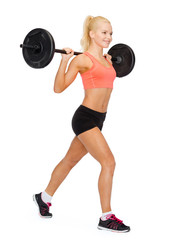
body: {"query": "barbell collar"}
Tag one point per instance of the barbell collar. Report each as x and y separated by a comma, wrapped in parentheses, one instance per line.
(29, 46)
(117, 59)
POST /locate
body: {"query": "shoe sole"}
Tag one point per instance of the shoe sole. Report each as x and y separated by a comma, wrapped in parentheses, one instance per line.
(112, 230)
(34, 199)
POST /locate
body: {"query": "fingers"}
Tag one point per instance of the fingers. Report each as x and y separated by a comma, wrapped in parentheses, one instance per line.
(109, 57)
(69, 51)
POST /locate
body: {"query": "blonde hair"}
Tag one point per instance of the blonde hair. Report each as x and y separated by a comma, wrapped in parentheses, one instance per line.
(90, 24)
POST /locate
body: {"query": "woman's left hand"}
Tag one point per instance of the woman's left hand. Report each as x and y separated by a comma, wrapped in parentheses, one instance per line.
(108, 57)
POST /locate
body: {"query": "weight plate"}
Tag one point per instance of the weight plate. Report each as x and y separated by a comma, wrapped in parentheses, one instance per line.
(127, 59)
(41, 57)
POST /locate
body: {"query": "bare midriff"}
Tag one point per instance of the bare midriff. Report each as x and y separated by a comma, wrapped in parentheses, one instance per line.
(97, 99)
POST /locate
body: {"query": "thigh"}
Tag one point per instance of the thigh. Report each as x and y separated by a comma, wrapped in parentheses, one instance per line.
(75, 152)
(95, 143)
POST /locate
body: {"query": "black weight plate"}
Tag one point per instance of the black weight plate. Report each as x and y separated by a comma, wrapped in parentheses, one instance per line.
(128, 59)
(39, 58)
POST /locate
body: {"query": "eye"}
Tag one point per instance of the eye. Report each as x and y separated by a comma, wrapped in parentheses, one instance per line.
(105, 32)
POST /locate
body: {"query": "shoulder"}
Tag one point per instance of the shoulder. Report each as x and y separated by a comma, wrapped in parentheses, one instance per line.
(82, 61)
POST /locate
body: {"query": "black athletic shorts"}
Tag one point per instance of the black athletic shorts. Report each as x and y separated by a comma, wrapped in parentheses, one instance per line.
(85, 119)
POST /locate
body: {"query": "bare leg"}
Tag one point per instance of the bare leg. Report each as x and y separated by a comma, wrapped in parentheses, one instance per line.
(73, 156)
(95, 143)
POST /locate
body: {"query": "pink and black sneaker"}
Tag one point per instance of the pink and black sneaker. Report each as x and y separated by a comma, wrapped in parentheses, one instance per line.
(43, 207)
(113, 224)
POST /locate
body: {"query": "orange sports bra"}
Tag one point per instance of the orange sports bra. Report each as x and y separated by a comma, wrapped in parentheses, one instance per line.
(98, 76)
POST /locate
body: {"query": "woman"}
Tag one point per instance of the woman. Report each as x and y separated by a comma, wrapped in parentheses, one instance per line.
(98, 76)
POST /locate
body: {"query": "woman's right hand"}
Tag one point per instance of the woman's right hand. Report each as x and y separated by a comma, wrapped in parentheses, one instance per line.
(69, 54)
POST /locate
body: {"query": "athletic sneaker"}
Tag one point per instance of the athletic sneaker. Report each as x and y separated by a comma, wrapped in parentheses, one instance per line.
(43, 207)
(113, 224)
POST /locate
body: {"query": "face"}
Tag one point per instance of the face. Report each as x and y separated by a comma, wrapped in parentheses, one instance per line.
(102, 36)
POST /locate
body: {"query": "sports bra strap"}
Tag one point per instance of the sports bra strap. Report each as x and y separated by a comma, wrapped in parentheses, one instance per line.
(90, 56)
(94, 60)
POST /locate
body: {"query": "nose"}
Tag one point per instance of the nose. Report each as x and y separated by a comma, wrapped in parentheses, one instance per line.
(108, 37)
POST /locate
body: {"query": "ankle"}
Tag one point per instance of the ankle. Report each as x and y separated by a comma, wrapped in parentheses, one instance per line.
(106, 215)
(106, 210)
(46, 197)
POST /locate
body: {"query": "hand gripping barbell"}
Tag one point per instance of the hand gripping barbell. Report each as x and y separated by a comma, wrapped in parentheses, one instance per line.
(39, 47)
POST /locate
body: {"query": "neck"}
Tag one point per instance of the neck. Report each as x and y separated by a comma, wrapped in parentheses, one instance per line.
(96, 51)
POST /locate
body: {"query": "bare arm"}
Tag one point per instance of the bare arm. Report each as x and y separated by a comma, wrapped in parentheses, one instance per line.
(64, 78)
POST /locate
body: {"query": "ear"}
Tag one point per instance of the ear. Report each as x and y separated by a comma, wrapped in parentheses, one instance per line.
(91, 34)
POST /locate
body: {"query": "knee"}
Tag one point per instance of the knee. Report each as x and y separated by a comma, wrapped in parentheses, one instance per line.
(72, 159)
(109, 163)
(72, 162)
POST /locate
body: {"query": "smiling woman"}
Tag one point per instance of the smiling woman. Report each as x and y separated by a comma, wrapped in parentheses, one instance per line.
(90, 24)
(98, 76)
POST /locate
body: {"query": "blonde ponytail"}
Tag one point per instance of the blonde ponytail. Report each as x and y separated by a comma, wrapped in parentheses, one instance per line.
(85, 41)
(90, 24)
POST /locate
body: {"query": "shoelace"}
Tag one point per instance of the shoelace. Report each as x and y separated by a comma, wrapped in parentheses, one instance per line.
(45, 210)
(113, 217)
(49, 204)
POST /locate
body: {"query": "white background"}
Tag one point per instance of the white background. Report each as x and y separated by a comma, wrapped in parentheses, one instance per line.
(145, 125)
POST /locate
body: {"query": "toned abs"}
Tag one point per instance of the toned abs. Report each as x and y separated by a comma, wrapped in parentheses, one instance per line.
(97, 99)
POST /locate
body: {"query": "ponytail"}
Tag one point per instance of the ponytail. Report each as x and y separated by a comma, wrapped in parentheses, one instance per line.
(85, 41)
(89, 24)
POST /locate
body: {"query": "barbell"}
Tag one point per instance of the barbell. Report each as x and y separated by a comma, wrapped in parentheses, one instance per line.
(38, 49)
